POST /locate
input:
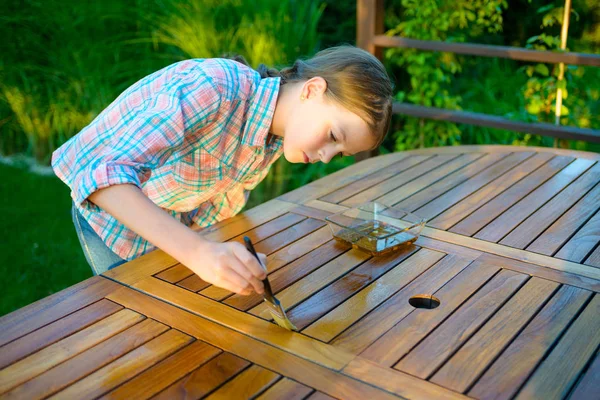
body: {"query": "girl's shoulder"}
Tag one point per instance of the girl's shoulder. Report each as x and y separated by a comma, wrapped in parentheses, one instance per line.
(232, 79)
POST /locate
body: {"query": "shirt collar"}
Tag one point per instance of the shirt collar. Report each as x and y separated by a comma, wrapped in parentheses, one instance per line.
(260, 116)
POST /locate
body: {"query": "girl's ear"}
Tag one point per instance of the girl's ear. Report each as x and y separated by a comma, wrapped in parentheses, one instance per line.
(314, 87)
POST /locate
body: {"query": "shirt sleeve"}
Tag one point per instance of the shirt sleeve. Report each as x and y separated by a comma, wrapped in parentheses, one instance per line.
(139, 132)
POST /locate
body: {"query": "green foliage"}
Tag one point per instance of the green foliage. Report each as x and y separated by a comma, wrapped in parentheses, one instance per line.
(579, 99)
(39, 250)
(430, 74)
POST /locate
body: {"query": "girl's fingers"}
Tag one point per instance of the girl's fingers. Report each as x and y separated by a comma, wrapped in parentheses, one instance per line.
(234, 282)
(241, 269)
(250, 262)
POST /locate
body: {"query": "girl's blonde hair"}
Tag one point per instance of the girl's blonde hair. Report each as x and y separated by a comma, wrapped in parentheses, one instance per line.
(356, 80)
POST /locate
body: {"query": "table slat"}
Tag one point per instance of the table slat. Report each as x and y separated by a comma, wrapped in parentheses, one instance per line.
(38, 362)
(518, 212)
(340, 290)
(368, 329)
(126, 367)
(468, 205)
(432, 352)
(373, 179)
(441, 186)
(496, 206)
(292, 273)
(533, 226)
(348, 312)
(594, 258)
(516, 363)
(55, 331)
(584, 241)
(589, 385)
(29, 318)
(465, 366)
(206, 378)
(286, 389)
(428, 179)
(464, 189)
(161, 375)
(418, 170)
(315, 281)
(246, 385)
(559, 371)
(406, 334)
(560, 231)
(64, 374)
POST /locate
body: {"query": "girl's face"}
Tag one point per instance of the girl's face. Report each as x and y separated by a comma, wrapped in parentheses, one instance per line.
(318, 129)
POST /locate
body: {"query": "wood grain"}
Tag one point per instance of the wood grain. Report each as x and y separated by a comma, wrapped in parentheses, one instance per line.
(292, 273)
(64, 374)
(455, 178)
(419, 169)
(55, 331)
(340, 290)
(405, 335)
(29, 318)
(559, 371)
(459, 192)
(402, 384)
(583, 242)
(239, 322)
(344, 315)
(465, 366)
(126, 367)
(161, 375)
(519, 211)
(373, 179)
(364, 332)
(432, 352)
(268, 246)
(175, 274)
(286, 389)
(315, 281)
(594, 258)
(246, 385)
(424, 181)
(38, 362)
(560, 231)
(205, 379)
(340, 178)
(535, 224)
(270, 228)
(496, 206)
(310, 373)
(520, 358)
(589, 385)
(481, 196)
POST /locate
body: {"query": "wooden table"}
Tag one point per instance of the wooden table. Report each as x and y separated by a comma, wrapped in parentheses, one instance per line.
(510, 250)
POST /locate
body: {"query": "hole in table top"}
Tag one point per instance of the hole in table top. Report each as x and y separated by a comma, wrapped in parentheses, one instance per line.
(426, 301)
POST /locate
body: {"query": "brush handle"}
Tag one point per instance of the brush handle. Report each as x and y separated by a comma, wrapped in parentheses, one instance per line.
(268, 291)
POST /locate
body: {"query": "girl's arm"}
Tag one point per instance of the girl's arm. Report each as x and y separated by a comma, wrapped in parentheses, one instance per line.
(228, 265)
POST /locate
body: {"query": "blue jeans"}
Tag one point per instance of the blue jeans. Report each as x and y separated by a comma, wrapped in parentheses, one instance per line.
(98, 255)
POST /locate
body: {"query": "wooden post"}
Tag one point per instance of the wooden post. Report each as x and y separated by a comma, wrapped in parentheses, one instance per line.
(561, 67)
(369, 23)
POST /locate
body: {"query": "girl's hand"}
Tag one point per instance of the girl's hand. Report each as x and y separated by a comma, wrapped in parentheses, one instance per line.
(228, 265)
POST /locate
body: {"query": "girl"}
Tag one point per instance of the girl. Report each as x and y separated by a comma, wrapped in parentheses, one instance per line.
(184, 146)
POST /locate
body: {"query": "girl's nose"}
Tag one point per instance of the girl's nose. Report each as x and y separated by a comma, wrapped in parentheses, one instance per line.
(326, 155)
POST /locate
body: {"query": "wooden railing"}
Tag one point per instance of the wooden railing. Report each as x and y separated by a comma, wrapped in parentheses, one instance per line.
(370, 37)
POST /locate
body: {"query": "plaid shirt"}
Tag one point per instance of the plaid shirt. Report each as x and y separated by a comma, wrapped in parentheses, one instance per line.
(194, 137)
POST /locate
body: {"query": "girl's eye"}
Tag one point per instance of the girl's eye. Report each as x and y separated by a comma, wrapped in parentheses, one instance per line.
(332, 136)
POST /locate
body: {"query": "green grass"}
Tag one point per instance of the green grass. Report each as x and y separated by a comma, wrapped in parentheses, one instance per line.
(39, 250)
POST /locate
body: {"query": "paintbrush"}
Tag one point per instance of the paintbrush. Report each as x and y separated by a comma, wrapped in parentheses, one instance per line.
(274, 305)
